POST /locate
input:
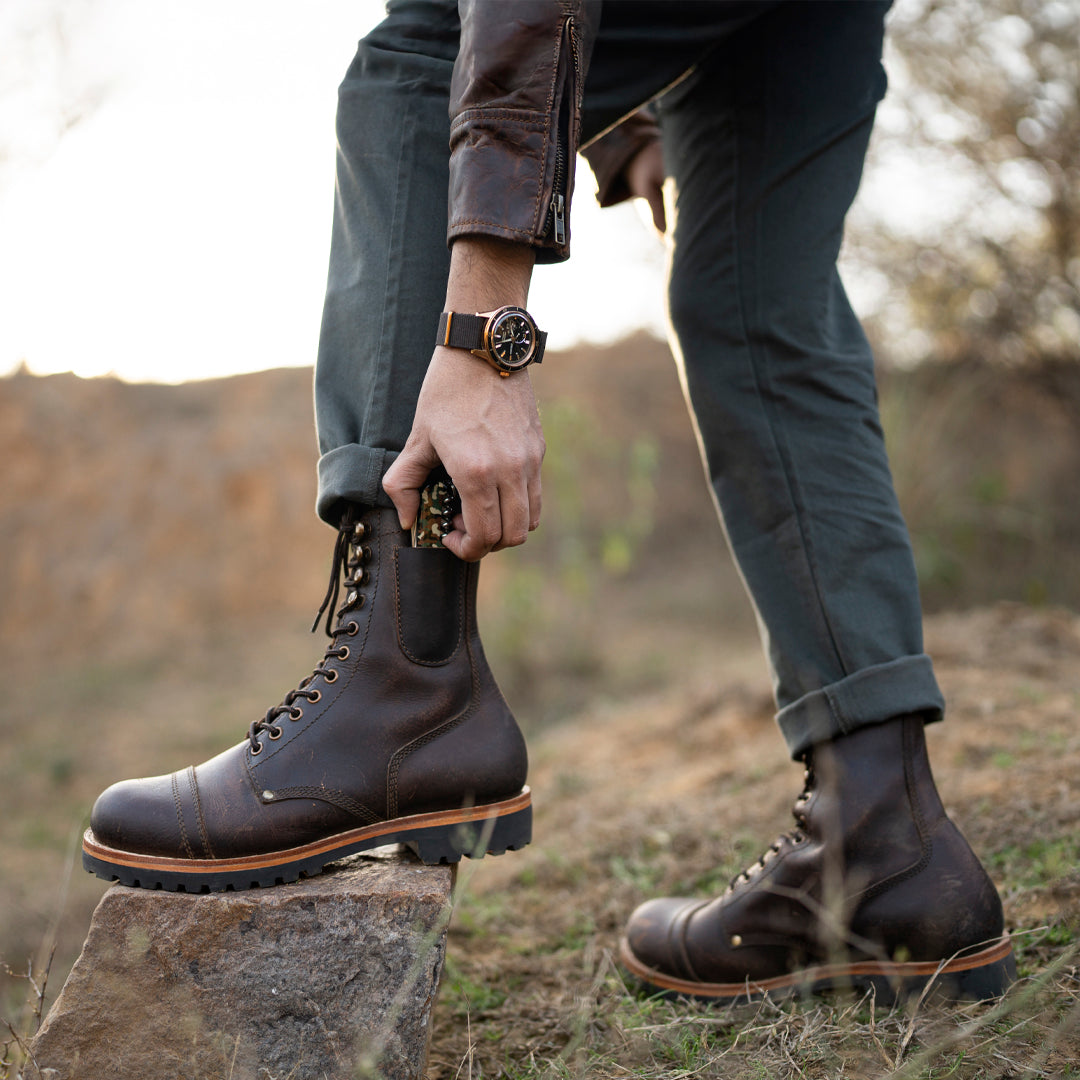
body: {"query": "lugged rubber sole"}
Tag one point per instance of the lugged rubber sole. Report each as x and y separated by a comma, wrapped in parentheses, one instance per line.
(437, 838)
(975, 976)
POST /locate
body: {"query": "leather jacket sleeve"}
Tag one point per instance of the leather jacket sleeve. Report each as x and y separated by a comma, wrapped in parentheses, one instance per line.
(515, 109)
(609, 155)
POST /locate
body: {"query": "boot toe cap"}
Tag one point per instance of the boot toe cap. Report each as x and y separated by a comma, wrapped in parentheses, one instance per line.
(138, 816)
(655, 936)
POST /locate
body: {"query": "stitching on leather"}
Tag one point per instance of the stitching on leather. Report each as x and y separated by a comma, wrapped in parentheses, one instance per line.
(421, 741)
(525, 118)
(458, 222)
(194, 785)
(397, 612)
(335, 798)
(180, 816)
(925, 843)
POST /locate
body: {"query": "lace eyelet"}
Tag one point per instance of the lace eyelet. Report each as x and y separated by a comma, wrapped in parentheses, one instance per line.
(256, 749)
(315, 695)
(354, 629)
(343, 652)
(359, 529)
(274, 733)
(330, 676)
(296, 713)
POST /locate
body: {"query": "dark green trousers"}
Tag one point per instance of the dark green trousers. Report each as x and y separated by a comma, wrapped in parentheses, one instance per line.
(765, 140)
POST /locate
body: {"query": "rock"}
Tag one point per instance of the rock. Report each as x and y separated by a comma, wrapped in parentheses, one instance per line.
(329, 978)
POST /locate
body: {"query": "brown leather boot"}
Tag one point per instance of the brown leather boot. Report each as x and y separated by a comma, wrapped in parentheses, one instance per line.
(399, 735)
(875, 887)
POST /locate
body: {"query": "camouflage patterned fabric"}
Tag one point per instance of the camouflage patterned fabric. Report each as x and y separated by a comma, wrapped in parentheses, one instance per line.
(439, 502)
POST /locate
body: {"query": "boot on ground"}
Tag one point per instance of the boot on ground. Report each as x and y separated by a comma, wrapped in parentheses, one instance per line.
(875, 887)
(399, 735)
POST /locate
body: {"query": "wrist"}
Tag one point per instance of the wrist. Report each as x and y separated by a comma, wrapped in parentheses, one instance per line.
(486, 274)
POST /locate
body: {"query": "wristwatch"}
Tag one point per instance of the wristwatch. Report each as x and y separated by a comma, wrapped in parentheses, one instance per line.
(507, 338)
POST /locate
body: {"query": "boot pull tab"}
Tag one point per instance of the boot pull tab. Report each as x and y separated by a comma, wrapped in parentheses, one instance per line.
(439, 503)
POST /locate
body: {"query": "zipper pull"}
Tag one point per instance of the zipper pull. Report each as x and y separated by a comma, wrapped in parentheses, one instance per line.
(558, 213)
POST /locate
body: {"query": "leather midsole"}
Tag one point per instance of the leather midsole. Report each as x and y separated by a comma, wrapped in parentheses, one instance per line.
(822, 973)
(462, 816)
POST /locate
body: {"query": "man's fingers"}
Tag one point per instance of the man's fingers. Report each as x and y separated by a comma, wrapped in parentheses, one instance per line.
(405, 478)
(479, 531)
(535, 500)
(516, 519)
(659, 215)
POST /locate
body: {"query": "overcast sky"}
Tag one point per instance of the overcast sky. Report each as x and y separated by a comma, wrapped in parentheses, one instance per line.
(181, 229)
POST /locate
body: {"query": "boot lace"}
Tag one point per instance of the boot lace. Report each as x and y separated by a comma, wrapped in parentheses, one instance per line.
(793, 836)
(350, 553)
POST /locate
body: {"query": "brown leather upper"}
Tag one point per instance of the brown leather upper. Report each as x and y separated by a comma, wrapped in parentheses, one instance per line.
(515, 113)
(877, 871)
(408, 720)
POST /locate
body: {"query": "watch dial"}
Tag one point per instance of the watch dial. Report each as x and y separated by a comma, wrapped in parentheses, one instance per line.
(512, 340)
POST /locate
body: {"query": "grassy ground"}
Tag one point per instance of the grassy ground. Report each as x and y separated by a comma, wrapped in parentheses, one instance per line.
(648, 791)
(675, 794)
(656, 766)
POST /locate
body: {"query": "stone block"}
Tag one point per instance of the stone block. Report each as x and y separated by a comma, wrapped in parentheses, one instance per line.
(327, 979)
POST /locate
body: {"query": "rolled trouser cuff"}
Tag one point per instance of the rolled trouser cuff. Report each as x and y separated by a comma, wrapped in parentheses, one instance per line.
(352, 473)
(870, 696)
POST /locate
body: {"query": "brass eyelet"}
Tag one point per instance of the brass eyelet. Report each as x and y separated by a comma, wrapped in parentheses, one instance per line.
(295, 713)
(330, 676)
(314, 696)
(354, 628)
(256, 749)
(274, 733)
(343, 652)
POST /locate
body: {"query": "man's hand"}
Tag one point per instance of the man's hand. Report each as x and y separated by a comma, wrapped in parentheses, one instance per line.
(645, 178)
(483, 428)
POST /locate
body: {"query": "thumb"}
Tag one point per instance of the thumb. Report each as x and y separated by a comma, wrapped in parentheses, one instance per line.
(405, 478)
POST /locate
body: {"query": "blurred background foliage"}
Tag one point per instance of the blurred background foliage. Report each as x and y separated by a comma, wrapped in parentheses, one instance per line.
(984, 100)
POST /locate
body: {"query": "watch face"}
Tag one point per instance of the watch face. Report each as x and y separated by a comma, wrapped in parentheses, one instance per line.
(512, 338)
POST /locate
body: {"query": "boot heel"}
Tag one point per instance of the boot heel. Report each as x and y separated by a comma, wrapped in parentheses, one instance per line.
(493, 836)
(978, 984)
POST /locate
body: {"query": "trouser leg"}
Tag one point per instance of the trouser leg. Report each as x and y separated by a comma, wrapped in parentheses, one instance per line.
(388, 257)
(388, 261)
(765, 142)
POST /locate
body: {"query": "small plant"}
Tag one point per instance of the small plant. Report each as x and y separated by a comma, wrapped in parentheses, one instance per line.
(16, 1051)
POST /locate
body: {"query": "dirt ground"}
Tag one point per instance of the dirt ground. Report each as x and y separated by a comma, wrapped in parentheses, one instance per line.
(160, 565)
(676, 792)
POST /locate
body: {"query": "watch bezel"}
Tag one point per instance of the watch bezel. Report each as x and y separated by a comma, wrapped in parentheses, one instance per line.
(494, 320)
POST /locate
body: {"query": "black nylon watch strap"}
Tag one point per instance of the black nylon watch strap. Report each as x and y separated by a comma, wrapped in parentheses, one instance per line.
(461, 331)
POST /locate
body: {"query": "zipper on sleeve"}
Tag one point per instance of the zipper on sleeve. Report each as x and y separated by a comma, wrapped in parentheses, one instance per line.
(556, 216)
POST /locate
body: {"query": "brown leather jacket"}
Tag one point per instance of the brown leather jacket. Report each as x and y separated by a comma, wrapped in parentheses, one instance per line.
(515, 108)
